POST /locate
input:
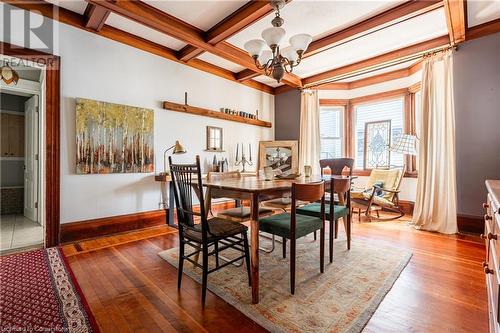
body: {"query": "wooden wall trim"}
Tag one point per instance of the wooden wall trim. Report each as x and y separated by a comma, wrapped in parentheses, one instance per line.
(94, 228)
(76, 231)
(482, 30)
(379, 96)
(333, 102)
(52, 134)
(470, 224)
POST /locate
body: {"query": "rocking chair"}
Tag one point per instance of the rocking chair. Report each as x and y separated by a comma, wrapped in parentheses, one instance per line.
(380, 193)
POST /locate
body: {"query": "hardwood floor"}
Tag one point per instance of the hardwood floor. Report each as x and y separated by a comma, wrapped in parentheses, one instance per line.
(131, 289)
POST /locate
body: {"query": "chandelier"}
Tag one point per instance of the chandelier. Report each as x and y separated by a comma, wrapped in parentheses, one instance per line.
(276, 62)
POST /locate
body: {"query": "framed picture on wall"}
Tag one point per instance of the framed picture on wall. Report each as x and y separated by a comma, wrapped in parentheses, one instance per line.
(279, 155)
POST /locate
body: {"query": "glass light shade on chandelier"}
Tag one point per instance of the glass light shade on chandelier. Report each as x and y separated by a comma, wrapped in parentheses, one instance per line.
(276, 62)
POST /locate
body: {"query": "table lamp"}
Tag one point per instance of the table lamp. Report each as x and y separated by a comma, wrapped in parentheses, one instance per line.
(177, 149)
(405, 144)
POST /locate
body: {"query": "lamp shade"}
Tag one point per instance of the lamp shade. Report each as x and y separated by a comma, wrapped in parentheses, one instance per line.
(273, 36)
(290, 53)
(405, 144)
(255, 47)
(300, 42)
(178, 148)
(265, 57)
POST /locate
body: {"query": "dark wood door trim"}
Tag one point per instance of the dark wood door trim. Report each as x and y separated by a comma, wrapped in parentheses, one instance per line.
(52, 134)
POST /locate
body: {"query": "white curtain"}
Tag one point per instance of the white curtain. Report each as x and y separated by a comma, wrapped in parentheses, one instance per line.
(309, 150)
(435, 205)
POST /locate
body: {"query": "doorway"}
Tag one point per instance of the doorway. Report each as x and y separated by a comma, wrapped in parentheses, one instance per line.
(21, 222)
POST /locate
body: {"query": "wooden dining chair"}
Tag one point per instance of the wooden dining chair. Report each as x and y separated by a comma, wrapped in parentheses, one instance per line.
(209, 236)
(293, 226)
(336, 166)
(333, 210)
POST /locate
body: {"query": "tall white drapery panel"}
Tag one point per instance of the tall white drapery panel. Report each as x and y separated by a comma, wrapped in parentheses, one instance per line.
(309, 144)
(436, 199)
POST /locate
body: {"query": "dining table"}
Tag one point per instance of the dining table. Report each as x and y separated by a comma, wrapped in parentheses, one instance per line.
(256, 189)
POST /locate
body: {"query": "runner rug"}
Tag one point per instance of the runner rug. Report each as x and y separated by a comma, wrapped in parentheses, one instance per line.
(342, 299)
(39, 293)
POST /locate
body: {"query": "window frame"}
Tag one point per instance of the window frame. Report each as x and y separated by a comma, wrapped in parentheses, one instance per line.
(341, 136)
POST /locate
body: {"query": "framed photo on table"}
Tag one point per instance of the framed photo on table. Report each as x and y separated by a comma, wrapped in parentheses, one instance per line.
(281, 156)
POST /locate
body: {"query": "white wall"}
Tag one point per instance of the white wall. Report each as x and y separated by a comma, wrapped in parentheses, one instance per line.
(98, 68)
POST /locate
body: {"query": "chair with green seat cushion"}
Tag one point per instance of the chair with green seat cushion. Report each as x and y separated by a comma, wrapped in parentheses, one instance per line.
(292, 226)
(333, 213)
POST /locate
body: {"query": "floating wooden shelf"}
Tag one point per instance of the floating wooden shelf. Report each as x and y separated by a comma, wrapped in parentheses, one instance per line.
(213, 114)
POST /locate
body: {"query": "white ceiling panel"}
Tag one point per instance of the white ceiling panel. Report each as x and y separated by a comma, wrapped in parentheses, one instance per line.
(140, 30)
(221, 62)
(480, 11)
(77, 6)
(419, 29)
(203, 14)
(381, 71)
(267, 80)
(317, 18)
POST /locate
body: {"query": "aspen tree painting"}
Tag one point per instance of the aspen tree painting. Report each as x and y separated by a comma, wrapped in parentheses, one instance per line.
(113, 138)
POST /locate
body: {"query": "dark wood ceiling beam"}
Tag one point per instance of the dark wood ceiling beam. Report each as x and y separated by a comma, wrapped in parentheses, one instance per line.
(78, 21)
(95, 17)
(246, 74)
(151, 17)
(246, 15)
(390, 17)
(455, 19)
(382, 59)
(189, 52)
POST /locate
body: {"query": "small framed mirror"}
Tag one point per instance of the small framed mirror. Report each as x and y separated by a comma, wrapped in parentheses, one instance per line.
(214, 138)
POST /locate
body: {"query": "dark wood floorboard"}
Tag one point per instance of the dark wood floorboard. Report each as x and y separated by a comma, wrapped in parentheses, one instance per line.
(130, 289)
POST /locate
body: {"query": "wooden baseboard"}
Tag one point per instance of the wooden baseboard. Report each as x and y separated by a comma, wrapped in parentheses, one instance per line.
(105, 226)
(470, 224)
(407, 206)
(76, 231)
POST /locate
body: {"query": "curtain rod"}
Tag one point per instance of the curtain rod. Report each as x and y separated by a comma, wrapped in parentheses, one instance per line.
(367, 70)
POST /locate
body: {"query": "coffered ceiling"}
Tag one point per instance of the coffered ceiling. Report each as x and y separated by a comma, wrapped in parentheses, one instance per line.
(348, 36)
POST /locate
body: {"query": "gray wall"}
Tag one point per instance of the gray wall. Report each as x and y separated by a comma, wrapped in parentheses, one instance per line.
(477, 112)
(287, 115)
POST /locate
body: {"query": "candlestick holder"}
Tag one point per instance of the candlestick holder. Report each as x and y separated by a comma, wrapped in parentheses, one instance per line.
(243, 161)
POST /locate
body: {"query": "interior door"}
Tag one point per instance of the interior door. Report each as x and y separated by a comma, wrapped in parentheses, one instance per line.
(31, 159)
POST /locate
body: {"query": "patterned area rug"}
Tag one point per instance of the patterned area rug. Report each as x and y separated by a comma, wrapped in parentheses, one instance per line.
(342, 299)
(39, 293)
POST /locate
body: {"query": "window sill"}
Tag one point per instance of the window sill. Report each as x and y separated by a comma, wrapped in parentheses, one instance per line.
(361, 173)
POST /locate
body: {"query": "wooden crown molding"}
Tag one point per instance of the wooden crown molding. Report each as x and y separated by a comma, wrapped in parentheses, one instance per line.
(156, 19)
(78, 21)
(482, 30)
(455, 19)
